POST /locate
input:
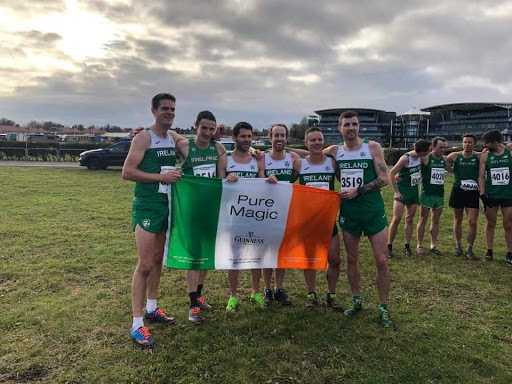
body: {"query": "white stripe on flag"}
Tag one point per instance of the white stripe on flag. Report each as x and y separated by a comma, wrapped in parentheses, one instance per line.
(252, 221)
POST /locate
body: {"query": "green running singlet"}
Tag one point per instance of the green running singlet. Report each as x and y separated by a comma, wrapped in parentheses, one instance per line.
(201, 162)
(498, 171)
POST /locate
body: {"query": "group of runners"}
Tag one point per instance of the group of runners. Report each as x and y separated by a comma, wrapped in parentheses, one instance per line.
(478, 176)
(357, 163)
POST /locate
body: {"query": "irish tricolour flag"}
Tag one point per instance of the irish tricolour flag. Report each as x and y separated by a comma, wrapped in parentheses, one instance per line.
(216, 224)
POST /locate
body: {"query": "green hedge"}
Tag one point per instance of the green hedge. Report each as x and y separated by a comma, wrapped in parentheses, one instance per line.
(15, 150)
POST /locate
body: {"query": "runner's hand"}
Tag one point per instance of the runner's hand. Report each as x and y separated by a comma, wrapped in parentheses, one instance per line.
(137, 130)
(398, 196)
(170, 177)
(232, 178)
(257, 154)
(349, 194)
(272, 179)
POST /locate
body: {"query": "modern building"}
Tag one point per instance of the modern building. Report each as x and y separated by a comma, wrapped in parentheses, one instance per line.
(374, 124)
(409, 127)
(453, 120)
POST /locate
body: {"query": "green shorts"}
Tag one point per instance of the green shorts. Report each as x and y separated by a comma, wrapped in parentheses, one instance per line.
(151, 216)
(432, 201)
(410, 196)
(357, 222)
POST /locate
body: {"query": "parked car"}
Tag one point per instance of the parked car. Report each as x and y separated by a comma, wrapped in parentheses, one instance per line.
(105, 157)
(228, 144)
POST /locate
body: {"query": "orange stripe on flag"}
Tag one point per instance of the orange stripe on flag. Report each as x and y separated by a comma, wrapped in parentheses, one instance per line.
(309, 226)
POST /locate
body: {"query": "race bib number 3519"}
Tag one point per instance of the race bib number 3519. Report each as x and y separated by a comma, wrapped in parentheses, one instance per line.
(351, 178)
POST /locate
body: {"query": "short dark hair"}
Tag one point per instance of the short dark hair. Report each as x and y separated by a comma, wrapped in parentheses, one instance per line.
(348, 115)
(205, 115)
(472, 135)
(312, 129)
(155, 101)
(493, 136)
(421, 145)
(241, 125)
(437, 139)
(277, 125)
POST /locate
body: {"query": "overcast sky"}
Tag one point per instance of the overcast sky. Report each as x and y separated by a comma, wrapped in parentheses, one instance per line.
(98, 62)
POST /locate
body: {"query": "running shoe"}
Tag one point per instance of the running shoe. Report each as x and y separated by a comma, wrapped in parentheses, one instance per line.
(194, 315)
(390, 253)
(458, 252)
(312, 300)
(489, 257)
(258, 299)
(471, 256)
(408, 252)
(435, 250)
(159, 317)
(420, 250)
(508, 259)
(355, 307)
(142, 338)
(203, 304)
(232, 304)
(332, 302)
(281, 296)
(385, 319)
(268, 297)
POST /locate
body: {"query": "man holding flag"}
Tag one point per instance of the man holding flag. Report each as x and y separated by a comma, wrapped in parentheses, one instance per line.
(363, 172)
(279, 163)
(151, 164)
(318, 170)
(241, 164)
(201, 154)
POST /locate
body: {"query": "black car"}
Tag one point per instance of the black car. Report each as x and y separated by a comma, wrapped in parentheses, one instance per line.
(104, 157)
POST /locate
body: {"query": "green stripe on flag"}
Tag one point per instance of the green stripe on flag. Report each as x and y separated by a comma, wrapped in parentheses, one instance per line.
(194, 220)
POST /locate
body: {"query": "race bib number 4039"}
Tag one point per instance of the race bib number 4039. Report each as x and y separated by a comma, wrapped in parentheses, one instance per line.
(437, 176)
(500, 176)
(415, 179)
(351, 178)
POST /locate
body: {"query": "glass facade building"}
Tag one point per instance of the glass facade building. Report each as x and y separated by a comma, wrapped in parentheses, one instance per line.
(453, 120)
(374, 124)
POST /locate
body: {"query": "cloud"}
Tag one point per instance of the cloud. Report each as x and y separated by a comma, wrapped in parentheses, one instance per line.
(260, 61)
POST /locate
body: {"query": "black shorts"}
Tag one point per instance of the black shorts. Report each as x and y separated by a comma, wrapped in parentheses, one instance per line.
(503, 203)
(460, 198)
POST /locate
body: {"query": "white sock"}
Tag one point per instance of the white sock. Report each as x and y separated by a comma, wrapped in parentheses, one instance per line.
(151, 306)
(137, 323)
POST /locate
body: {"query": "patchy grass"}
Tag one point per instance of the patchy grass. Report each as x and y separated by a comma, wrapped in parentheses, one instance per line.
(67, 255)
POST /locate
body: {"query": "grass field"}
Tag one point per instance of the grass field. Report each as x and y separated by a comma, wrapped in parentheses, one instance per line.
(67, 255)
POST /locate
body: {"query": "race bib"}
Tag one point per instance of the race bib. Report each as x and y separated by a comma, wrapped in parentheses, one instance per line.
(318, 184)
(163, 188)
(351, 178)
(469, 185)
(206, 170)
(500, 176)
(437, 176)
(415, 179)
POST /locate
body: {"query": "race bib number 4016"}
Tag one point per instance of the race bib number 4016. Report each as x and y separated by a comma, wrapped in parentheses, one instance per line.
(500, 176)
(351, 178)
(437, 176)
